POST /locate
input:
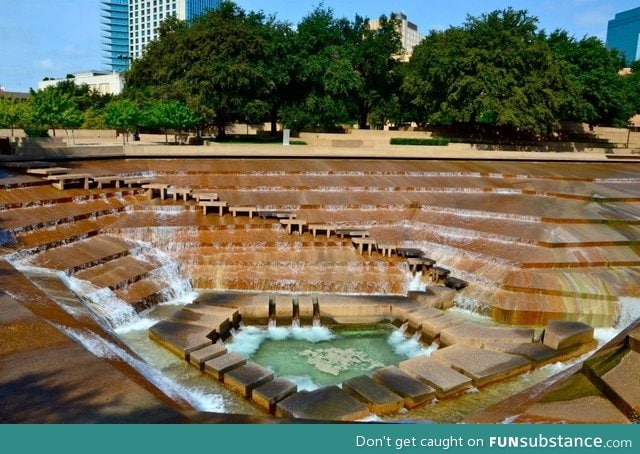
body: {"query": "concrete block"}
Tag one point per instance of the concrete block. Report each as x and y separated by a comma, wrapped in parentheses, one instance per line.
(377, 398)
(476, 335)
(245, 378)
(417, 318)
(537, 353)
(584, 410)
(269, 394)
(432, 327)
(180, 338)
(443, 379)
(219, 366)
(412, 390)
(560, 334)
(482, 366)
(199, 357)
(329, 403)
(624, 380)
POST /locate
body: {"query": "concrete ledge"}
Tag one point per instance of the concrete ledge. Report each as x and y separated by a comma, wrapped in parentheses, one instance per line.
(476, 335)
(584, 410)
(624, 380)
(245, 378)
(634, 340)
(413, 391)
(432, 328)
(560, 334)
(377, 398)
(329, 403)
(443, 379)
(199, 357)
(268, 395)
(219, 366)
(180, 338)
(482, 366)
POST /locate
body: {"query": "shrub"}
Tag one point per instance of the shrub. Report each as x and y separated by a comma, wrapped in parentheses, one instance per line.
(36, 132)
(297, 142)
(420, 142)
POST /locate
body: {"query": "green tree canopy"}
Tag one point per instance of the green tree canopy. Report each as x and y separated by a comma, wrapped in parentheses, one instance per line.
(495, 69)
(169, 114)
(123, 115)
(48, 107)
(595, 93)
(217, 64)
(14, 114)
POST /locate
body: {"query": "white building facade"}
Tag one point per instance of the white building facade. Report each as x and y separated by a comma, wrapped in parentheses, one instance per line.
(103, 82)
(409, 34)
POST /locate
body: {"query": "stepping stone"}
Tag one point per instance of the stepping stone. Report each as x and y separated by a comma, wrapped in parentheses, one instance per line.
(417, 318)
(223, 364)
(634, 340)
(245, 378)
(329, 403)
(537, 353)
(476, 335)
(199, 357)
(432, 327)
(482, 366)
(560, 334)
(269, 394)
(624, 380)
(215, 323)
(583, 410)
(376, 397)
(180, 338)
(445, 380)
(412, 390)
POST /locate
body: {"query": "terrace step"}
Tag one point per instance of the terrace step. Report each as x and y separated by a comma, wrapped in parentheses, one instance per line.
(268, 395)
(143, 293)
(119, 272)
(83, 254)
(413, 391)
(442, 378)
(376, 397)
(328, 403)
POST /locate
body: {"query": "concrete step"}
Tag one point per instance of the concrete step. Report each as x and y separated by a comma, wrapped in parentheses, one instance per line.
(268, 395)
(482, 366)
(432, 327)
(180, 338)
(329, 404)
(412, 390)
(378, 398)
(443, 379)
(561, 334)
(246, 378)
(199, 357)
(83, 254)
(118, 273)
(218, 367)
(623, 383)
(477, 335)
(143, 293)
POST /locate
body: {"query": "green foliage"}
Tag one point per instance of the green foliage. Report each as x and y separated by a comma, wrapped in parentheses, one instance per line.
(50, 107)
(94, 119)
(14, 114)
(123, 115)
(496, 67)
(595, 93)
(36, 132)
(216, 64)
(421, 142)
(169, 114)
(297, 142)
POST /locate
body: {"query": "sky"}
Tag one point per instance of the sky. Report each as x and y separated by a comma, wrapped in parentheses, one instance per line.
(51, 38)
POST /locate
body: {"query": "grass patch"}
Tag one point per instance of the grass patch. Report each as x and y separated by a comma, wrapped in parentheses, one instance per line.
(419, 142)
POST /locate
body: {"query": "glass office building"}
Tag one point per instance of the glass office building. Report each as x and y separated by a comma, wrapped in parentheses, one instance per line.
(115, 34)
(141, 19)
(623, 34)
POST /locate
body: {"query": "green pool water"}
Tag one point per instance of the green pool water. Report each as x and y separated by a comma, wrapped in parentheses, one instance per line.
(314, 357)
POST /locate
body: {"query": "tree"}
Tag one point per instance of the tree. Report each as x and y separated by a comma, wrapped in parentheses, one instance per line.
(496, 69)
(48, 107)
(595, 91)
(72, 119)
(13, 114)
(216, 64)
(170, 115)
(123, 115)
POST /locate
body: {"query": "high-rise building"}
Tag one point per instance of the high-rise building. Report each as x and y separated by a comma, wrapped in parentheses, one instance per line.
(409, 34)
(130, 25)
(623, 33)
(115, 34)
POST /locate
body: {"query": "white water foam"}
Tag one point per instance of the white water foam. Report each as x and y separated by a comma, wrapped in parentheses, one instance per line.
(248, 340)
(408, 347)
(199, 399)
